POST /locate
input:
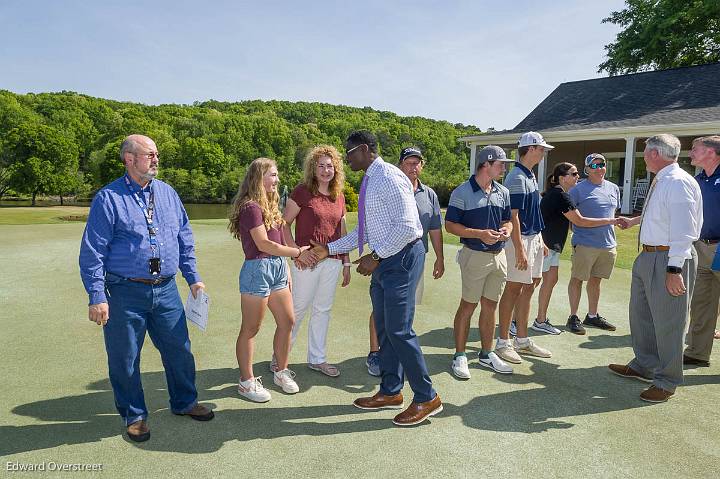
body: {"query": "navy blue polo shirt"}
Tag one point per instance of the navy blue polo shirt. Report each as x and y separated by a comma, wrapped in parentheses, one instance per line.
(525, 197)
(710, 189)
(471, 207)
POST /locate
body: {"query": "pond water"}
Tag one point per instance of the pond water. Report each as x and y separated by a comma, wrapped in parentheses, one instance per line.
(195, 211)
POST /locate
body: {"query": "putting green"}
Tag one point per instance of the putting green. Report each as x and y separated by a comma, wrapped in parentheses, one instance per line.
(562, 417)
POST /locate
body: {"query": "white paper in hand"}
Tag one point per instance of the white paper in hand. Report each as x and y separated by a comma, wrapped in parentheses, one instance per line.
(196, 309)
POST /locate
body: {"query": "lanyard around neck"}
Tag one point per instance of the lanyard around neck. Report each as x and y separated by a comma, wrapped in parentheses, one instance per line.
(148, 212)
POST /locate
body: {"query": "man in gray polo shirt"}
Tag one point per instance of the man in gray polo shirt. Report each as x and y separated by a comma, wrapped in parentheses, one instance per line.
(411, 163)
(593, 249)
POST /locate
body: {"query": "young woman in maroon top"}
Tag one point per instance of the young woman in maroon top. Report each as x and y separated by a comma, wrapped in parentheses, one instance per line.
(317, 207)
(256, 221)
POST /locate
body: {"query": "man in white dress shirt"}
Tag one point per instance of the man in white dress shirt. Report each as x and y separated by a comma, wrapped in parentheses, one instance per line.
(389, 223)
(670, 223)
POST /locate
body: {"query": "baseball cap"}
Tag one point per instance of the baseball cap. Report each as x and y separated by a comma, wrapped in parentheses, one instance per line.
(491, 153)
(592, 157)
(533, 138)
(410, 151)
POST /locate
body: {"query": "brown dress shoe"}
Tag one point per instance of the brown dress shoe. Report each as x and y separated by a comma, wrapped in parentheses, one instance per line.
(379, 401)
(655, 394)
(138, 431)
(417, 412)
(628, 372)
(199, 413)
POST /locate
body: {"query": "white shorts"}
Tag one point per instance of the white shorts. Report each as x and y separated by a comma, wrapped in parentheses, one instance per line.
(552, 259)
(534, 250)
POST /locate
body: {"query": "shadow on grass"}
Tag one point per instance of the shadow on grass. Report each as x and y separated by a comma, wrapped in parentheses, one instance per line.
(90, 417)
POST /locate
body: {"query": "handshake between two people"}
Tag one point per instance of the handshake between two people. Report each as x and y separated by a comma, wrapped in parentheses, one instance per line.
(310, 256)
(624, 222)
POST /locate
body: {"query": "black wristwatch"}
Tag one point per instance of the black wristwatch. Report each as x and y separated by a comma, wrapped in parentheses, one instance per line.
(375, 256)
(674, 270)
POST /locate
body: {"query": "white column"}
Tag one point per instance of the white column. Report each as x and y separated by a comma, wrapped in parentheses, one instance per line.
(542, 166)
(628, 175)
(473, 149)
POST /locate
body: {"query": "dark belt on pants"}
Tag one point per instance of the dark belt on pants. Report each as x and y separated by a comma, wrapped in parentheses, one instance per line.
(710, 241)
(150, 281)
(652, 249)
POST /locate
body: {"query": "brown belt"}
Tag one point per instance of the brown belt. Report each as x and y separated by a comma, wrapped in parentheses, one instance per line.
(652, 249)
(150, 281)
(710, 241)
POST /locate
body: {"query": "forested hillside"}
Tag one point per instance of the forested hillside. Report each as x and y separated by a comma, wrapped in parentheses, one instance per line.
(67, 144)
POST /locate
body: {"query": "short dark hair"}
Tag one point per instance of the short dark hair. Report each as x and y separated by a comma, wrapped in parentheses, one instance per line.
(522, 151)
(362, 137)
(480, 165)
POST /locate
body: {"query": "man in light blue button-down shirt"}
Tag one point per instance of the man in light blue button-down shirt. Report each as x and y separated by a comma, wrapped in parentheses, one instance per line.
(392, 230)
(137, 236)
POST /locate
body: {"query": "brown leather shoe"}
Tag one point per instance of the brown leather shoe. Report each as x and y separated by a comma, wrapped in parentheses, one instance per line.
(199, 413)
(138, 431)
(379, 401)
(417, 412)
(628, 372)
(655, 394)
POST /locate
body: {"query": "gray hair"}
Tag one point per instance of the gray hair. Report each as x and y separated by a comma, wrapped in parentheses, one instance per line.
(128, 146)
(712, 141)
(667, 146)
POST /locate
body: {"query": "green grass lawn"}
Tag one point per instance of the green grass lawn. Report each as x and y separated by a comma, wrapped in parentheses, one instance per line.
(627, 240)
(561, 417)
(27, 215)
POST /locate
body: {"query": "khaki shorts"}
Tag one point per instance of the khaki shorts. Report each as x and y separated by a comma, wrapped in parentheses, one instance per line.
(534, 250)
(590, 262)
(483, 274)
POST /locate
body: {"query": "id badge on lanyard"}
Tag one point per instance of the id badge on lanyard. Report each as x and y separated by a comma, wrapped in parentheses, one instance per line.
(148, 213)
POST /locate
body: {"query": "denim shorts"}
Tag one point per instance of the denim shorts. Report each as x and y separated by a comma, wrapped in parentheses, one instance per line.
(262, 276)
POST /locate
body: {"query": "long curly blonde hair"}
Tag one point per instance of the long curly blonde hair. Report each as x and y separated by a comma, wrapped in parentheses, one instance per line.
(311, 161)
(251, 189)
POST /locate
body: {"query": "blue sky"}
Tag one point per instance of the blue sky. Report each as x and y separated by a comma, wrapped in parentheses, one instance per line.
(486, 63)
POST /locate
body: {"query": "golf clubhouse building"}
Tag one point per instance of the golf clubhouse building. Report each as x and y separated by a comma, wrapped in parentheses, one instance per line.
(614, 116)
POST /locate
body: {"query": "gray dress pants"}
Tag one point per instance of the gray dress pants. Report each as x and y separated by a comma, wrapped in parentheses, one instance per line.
(657, 319)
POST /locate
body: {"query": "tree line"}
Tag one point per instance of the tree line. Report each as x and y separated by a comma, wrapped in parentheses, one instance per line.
(67, 144)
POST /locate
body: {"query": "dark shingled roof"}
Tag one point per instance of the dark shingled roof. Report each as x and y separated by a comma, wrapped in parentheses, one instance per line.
(679, 95)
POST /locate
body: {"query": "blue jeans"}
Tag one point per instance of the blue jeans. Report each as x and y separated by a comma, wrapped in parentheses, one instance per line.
(134, 309)
(392, 290)
(262, 276)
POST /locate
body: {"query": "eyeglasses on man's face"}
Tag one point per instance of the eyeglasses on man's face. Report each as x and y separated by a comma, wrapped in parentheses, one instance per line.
(347, 153)
(148, 156)
(595, 166)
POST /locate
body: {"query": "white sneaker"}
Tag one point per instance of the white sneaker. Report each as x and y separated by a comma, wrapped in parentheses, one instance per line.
(460, 367)
(544, 327)
(505, 350)
(495, 363)
(254, 390)
(531, 349)
(285, 380)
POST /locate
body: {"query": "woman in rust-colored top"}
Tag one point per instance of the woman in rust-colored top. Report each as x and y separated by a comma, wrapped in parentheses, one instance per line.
(317, 207)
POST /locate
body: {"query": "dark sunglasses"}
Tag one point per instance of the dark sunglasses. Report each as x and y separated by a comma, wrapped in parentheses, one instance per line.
(595, 166)
(575, 173)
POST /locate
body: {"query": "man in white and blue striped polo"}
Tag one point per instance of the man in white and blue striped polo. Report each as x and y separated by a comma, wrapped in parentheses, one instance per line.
(524, 253)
